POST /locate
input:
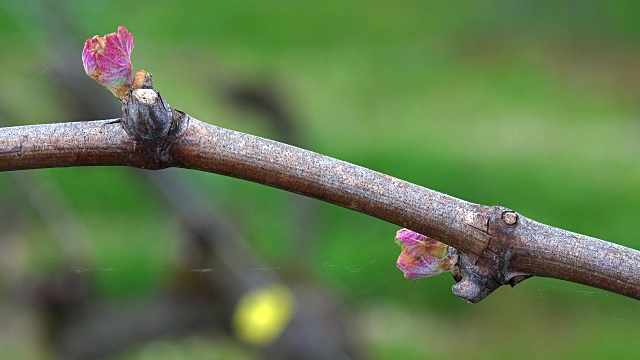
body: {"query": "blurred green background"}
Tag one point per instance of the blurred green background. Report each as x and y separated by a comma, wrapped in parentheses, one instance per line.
(529, 105)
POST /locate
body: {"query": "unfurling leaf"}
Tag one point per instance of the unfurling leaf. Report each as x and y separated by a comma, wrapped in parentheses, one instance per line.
(107, 60)
(422, 256)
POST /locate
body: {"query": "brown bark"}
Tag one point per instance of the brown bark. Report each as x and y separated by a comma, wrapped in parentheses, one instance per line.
(496, 246)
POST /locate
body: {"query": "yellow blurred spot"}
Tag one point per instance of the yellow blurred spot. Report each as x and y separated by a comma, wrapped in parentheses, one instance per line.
(261, 315)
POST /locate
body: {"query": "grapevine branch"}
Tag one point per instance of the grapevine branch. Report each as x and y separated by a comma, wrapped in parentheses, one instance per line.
(495, 246)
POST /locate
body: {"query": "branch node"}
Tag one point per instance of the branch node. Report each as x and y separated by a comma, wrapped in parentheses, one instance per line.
(476, 282)
(150, 120)
(147, 116)
(480, 274)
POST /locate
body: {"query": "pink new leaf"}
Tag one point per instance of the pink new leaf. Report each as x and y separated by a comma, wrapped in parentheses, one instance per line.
(422, 256)
(107, 60)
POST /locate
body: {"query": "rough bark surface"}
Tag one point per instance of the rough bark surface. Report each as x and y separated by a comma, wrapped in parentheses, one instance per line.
(496, 246)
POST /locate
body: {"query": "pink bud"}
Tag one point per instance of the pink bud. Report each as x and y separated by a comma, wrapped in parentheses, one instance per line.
(421, 256)
(108, 60)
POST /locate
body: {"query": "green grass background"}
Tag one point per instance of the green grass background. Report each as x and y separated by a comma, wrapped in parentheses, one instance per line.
(529, 105)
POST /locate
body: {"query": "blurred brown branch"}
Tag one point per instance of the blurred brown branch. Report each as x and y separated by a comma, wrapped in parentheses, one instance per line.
(496, 246)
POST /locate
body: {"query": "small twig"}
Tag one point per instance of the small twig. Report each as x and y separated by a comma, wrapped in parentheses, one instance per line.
(154, 136)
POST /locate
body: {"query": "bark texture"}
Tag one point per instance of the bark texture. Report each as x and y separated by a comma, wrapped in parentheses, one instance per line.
(496, 246)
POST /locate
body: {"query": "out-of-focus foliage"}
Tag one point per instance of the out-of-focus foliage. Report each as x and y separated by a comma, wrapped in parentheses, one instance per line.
(530, 105)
